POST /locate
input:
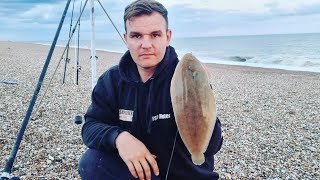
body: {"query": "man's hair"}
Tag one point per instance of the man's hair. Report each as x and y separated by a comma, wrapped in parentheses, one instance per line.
(144, 7)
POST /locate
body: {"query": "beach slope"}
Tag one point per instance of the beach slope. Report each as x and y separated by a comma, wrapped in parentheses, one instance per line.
(270, 118)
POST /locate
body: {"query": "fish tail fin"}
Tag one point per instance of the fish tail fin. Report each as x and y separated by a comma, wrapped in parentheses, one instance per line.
(198, 159)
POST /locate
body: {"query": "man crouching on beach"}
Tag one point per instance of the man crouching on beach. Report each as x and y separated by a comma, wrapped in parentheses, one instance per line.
(125, 135)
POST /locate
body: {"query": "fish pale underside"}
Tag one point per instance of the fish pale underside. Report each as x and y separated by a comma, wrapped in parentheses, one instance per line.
(194, 106)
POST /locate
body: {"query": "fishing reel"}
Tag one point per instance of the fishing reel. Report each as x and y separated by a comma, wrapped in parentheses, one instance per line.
(77, 119)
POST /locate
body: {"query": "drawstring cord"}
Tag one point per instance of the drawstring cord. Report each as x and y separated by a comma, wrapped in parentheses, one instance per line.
(135, 125)
(149, 107)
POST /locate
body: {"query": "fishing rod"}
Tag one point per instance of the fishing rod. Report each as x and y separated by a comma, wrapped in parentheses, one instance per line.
(61, 57)
(67, 55)
(7, 170)
(77, 66)
(77, 118)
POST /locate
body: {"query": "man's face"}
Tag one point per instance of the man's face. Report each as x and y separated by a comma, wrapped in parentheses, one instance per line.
(147, 39)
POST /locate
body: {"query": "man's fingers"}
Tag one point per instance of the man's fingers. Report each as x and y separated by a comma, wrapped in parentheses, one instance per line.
(139, 169)
(153, 163)
(132, 169)
(146, 169)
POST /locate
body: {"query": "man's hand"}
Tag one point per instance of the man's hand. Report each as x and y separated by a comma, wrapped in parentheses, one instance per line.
(136, 156)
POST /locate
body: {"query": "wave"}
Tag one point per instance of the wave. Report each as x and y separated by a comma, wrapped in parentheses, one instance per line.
(288, 63)
(310, 64)
(239, 58)
(276, 59)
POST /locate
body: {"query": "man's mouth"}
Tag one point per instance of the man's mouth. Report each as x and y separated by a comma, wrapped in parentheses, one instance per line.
(147, 54)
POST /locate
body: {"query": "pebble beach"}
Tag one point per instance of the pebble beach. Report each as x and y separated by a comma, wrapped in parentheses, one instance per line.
(270, 117)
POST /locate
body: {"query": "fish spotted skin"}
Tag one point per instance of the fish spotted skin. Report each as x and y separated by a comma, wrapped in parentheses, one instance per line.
(194, 106)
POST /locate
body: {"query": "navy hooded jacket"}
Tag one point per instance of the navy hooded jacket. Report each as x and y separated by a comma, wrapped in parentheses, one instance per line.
(121, 102)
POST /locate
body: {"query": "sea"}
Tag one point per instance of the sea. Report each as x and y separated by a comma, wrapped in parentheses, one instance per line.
(298, 52)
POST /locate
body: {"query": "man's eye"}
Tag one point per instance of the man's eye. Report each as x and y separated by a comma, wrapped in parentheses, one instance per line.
(135, 36)
(155, 35)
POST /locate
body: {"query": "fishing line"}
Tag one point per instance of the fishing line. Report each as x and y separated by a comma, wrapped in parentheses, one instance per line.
(111, 21)
(174, 145)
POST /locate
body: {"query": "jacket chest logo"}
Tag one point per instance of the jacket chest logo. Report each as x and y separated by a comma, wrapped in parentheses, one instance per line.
(160, 116)
(125, 115)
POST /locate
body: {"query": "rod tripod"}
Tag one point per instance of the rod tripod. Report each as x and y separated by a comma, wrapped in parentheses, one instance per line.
(6, 174)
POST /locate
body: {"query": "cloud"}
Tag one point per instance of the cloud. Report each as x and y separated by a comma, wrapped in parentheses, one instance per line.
(39, 18)
(244, 6)
(46, 13)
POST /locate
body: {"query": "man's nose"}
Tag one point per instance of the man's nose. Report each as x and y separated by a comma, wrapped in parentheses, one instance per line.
(146, 43)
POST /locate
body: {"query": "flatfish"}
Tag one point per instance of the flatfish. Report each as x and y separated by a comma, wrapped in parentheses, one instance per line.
(194, 106)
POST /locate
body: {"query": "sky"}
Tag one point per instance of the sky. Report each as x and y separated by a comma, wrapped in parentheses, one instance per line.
(37, 20)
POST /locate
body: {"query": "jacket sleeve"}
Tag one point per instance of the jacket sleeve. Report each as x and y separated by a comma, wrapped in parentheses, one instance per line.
(101, 120)
(216, 140)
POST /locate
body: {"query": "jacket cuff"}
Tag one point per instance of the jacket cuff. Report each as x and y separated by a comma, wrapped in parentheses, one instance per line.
(111, 140)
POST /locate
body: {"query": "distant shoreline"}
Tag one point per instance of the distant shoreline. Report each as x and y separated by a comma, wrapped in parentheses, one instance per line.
(224, 64)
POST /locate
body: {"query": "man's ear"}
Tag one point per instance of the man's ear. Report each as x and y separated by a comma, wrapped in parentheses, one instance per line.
(125, 36)
(169, 35)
